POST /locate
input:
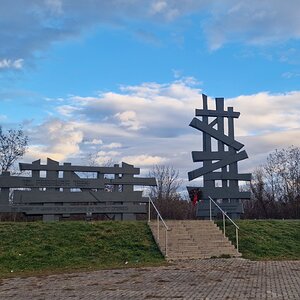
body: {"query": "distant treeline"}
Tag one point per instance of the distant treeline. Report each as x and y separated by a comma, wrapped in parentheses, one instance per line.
(275, 187)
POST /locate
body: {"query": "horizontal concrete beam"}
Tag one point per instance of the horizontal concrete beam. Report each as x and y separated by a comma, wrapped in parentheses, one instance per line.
(203, 156)
(81, 183)
(76, 197)
(203, 208)
(73, 209)
(125, 169)
(222, 193)
(227, 176)
(216, 113)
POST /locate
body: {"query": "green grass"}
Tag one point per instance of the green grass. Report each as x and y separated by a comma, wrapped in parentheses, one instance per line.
(267, 239)
(66, 246)
(44, 248)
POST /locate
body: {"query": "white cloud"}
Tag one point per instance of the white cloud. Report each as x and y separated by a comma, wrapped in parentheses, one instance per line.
(162, 112)
(143, 160)
(104, 157)
(263, 144)
(162, 136)
(259, 146)
(56, 139)
(148, 108)
(112, 146)
(165, 9)
(105, 130)
(66, 110)
(108, 153)
(3, 118)
(11, 64)
(158, 6)
(128, 119)
(256, 22)
(289, 75)
(103, 160)
(265, 112)
(31, 27)
(94, 142)
(55, 6)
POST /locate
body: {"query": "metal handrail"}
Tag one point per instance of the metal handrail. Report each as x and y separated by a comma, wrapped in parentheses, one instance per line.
(159, 217)
(225, 215)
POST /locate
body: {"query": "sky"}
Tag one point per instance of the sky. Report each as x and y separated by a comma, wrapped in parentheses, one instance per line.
(121, 79)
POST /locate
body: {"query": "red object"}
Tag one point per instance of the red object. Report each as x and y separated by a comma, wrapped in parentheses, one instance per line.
(195, 199)
(195, 195)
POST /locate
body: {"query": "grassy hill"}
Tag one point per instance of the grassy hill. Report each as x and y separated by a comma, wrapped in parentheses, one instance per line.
(66, 246)
(267, 239)
(41, 248)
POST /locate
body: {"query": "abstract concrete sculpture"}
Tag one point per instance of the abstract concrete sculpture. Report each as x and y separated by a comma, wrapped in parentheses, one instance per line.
(220, 165)
(62, 192)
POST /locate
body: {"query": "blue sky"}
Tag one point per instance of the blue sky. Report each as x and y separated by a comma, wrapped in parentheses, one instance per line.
(121, 79)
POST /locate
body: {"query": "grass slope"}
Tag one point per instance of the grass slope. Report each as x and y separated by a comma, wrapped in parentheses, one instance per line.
(63, 246)
(267, 239)
(41, 248)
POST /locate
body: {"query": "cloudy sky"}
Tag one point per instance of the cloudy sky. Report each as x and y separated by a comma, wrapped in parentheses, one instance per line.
(121, 78)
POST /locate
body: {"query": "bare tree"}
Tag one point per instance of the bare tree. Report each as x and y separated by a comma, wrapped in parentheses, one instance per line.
(168, 182)
(258, 206)
(93, 161)
(166, 194)
(276, 186)
(283, 174)
(13, 145)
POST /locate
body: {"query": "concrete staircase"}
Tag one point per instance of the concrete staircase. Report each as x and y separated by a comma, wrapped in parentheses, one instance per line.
(193, 239)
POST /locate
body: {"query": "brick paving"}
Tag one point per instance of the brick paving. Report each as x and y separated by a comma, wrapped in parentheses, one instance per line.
(200, 279)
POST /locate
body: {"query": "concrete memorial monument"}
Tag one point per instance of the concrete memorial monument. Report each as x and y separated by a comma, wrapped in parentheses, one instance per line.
(62, 192)
(219, 169)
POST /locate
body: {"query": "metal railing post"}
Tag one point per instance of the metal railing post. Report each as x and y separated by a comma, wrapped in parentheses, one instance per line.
(237, 239)
(157, 226)
(166, 241)
(210, 209)
(224, 221)
(149, 211)
(224, 224)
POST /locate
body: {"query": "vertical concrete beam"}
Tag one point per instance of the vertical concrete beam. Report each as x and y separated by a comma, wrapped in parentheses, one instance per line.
(4, 192)
(51, 175)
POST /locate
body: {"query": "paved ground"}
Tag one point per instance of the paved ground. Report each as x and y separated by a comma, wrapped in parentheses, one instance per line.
(202, 279)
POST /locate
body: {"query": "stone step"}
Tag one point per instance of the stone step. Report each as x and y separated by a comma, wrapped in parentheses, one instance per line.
(187, 244)
(185, 250)
(199, 255)
(193, 239)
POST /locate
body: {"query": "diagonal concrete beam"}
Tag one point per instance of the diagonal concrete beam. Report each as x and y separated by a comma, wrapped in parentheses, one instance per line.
(197, 124)
(222, 163)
